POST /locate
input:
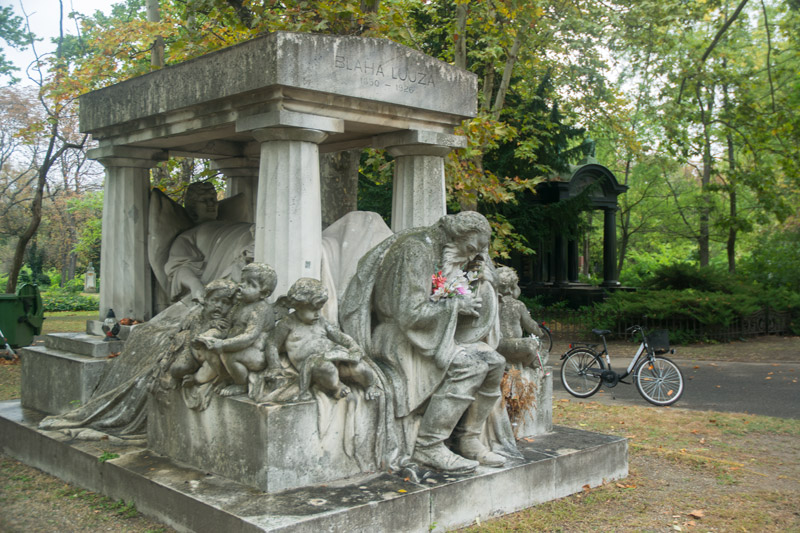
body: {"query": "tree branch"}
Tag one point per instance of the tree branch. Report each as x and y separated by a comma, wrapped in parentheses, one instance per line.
(714, 42)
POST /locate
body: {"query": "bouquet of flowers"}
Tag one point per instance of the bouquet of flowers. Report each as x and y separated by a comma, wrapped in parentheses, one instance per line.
(458, 285)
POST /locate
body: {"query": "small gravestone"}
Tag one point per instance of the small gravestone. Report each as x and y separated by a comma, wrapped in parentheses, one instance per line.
(90, 280)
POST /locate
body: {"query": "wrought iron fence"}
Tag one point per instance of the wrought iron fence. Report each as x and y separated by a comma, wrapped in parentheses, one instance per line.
(578, 324)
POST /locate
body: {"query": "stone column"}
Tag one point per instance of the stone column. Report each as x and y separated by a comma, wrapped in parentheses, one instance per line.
(560, 260)
(125, 276)
(418, 195)
(572, 260)
(610, 247)
(241, 175)
(288, 213)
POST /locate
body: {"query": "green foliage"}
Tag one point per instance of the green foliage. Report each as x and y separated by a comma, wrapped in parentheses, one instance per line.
(683, 276)
(708, 308)
(775, 261)
(107, 456)
(89, 208)
(69, 300)
(650, 257)
(375, 183)
(12, 31)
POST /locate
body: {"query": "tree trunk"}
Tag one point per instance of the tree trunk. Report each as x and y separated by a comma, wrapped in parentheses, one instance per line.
(704, 237)
(36, 215)
(460, 36)
(511, 60)
(732, 230)
(625, 223)
(338, 172)
(157, 55)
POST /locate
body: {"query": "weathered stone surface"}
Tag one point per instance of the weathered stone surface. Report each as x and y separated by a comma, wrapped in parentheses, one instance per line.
(538, 420)
(367, 69)
(83, 344)
(193, 500)
(271, 448)
(55, 381)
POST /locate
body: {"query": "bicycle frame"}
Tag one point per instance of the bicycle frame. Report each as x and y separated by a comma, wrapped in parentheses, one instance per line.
(644, 348)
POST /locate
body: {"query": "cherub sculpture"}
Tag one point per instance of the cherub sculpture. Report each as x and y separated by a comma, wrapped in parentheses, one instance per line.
(515, 321)
(320, 352)
(242, 351)
(207, 320)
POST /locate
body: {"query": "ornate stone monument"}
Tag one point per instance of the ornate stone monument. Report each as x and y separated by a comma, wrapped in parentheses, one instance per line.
(288, 378)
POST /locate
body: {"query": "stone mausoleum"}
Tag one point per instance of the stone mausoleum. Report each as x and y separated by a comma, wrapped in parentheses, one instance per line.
(263, 112)
(275, 115)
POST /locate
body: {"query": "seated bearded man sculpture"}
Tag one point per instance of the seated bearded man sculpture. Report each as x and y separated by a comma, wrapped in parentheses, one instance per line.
(429, 336)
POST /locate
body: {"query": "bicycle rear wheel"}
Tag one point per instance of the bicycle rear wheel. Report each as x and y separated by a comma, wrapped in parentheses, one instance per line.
(580, 373)
(547, 337)
(659, 381)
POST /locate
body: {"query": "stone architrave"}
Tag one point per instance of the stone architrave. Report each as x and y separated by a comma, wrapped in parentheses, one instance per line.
(418, 195)
(125, 276)
(288, 232)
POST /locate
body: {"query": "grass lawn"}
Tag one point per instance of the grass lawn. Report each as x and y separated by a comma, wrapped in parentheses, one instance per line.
(689, 471)
(67, 321)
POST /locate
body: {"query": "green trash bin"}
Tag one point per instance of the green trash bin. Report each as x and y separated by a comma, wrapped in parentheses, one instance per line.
(21, 315)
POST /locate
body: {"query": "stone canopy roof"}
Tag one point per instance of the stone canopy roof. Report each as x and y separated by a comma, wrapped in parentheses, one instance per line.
(205, 107)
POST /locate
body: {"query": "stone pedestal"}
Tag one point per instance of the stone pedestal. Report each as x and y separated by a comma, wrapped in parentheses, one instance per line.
(189, 499)
(539, 419)
(271, 448)
(63, 374)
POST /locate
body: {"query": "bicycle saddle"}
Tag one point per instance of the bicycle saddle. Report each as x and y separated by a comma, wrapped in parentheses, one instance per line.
(601, 332)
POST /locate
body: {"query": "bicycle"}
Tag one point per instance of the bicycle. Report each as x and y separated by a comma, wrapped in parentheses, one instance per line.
(657, 378)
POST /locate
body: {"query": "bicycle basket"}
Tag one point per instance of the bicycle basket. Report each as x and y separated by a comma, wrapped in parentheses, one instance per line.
(658, 339)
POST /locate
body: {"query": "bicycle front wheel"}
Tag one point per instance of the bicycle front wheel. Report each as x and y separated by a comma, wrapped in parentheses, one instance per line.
(659, 381)
(580, 373)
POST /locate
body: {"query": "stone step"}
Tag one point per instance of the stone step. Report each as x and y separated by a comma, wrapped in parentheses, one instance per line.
(83, 344)
(56, 381)
(554, 465)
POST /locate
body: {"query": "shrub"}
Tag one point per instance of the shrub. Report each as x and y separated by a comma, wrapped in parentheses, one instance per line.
(683, 276)
(60, 300)
(708, 308)
(775, 262)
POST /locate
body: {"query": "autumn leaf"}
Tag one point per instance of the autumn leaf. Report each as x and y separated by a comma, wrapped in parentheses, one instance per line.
(698, 513)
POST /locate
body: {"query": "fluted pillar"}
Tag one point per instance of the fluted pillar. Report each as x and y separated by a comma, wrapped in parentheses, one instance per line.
(288, 232)
(241, 177)
(125, 275)
(418, 190)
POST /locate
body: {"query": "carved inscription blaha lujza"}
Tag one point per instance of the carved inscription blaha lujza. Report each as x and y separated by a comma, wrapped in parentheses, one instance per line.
(405, 79)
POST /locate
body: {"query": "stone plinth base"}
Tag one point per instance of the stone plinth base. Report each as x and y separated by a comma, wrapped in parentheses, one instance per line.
(86, 344)
(538, 419)
(271, 448)
(186, 499)
(55, 381)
